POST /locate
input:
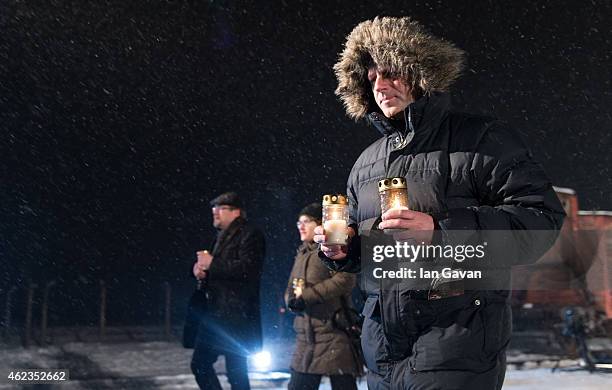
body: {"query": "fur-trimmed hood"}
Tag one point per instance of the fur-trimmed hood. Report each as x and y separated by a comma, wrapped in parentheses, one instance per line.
(402, 47)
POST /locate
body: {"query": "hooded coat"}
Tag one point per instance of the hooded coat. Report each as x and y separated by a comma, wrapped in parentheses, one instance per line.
(470, 173)
(321, 348)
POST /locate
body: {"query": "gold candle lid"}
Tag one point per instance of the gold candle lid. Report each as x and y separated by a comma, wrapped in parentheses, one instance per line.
(334, 199)
(392, 183)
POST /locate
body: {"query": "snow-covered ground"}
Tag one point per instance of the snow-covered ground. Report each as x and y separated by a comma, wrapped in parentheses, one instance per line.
(165, 365)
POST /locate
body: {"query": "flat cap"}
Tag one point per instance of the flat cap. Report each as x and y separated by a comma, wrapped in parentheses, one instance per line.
(227, 199)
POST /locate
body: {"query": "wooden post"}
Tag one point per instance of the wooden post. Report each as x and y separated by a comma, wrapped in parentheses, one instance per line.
(44, 313)
(7, 311)
(102, 308)
(168, 315)
(28, 320)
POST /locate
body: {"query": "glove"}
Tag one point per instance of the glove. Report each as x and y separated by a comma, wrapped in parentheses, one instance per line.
(296, 304)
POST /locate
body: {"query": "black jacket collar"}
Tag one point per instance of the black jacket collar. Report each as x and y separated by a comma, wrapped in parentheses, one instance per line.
(225, 236)
(420, 116)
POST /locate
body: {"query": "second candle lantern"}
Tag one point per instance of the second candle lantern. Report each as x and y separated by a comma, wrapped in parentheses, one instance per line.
(393, 193)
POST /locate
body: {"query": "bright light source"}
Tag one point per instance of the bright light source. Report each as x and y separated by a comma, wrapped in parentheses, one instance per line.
(262, 360)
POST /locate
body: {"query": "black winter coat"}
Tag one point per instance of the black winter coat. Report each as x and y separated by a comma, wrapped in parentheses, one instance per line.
(468, 172)
(233, 320)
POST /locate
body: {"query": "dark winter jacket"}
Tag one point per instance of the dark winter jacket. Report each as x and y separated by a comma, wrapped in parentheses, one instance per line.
(471, 173)
(321, 348)
(233, 285)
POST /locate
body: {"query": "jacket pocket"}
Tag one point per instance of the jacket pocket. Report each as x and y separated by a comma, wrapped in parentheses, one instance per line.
(458, 345)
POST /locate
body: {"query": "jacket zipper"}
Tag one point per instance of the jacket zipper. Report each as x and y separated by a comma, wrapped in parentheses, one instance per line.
(402, 142)
(395, 141)
(398, 139)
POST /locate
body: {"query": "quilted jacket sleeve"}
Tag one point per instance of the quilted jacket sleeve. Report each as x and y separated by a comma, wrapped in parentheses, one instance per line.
(517, 202)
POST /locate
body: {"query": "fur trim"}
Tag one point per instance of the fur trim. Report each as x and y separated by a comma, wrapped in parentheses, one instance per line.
(402, 47)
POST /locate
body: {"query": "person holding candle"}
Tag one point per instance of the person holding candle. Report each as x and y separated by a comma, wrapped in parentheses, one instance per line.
(317, 295)
(464, 173)
(230, 274)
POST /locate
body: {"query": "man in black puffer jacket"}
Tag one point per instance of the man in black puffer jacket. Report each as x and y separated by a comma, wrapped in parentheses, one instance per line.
(470, 178)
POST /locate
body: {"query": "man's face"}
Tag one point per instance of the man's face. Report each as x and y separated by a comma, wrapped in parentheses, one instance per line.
(392, 94)
(306, 227)
(224, 215)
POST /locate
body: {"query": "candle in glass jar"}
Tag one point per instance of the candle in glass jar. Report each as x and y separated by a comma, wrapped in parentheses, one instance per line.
(393, 193)
(398, 203)
(335, 225)
(335, 219)
(297, 283)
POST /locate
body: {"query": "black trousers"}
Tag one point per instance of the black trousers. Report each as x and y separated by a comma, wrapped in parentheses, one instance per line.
(202, 367)
(301, 381)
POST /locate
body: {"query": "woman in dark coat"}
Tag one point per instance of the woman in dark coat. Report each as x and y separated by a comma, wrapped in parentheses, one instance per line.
(316, 295)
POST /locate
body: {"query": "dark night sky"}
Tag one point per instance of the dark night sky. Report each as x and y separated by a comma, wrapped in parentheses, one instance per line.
(121, 120)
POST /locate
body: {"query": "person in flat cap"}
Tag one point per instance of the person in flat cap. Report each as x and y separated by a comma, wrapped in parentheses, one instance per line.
(316, 295)
(230, 277)
(464, 173)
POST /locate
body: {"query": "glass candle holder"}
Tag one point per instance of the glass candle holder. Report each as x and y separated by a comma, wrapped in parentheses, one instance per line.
(335, 219)
(298, 282)
(393, 193)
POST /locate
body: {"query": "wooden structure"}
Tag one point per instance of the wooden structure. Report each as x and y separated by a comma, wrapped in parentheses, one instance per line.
(577, 270)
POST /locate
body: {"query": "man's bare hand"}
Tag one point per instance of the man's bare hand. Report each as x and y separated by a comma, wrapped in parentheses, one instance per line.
(200, 268)
(198, 271)
(415, 225)
(334, 252)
